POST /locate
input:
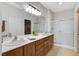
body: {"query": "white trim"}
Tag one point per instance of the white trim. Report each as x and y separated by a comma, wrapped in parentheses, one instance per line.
(75, 27)
(65, 46)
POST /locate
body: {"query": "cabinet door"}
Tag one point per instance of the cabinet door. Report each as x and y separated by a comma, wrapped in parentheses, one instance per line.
(51, 41)
(46, 46)
(15, 52)
(29, 50)
(25, 50)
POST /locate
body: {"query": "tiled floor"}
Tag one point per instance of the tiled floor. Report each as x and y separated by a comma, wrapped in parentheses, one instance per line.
(60, 51)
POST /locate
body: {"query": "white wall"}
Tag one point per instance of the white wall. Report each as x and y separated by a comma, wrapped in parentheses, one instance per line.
(63, 28)
(15, 18)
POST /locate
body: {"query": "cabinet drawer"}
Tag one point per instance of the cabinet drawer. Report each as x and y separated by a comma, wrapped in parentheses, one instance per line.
(46, 50)
(41, 54)
(39, 46)
(46, 42)
(39, 41)
(40, 51)
(46, 38)
(42, 40)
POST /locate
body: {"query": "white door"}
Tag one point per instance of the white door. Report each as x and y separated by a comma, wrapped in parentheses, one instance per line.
(63, 31)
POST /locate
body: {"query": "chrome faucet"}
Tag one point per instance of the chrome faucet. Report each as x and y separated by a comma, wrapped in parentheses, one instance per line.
(15, 38)
(3, 36)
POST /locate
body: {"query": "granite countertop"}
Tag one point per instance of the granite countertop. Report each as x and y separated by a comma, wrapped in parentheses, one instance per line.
(26, 41)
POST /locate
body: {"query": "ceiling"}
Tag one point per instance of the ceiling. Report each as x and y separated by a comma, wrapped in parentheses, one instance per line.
(55, 7)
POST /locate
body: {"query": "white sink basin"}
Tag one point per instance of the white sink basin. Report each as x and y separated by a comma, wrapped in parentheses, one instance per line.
(14, 43)
(31, 37)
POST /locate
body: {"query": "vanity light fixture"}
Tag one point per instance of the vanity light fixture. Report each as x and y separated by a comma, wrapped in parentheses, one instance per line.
(31, 9)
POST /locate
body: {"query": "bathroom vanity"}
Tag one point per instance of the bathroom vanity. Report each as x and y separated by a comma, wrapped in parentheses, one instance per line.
(38, 47)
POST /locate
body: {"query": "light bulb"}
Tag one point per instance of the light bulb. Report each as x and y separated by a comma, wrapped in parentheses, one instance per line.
(33, 10)
(26, 9)
(39, 13)
(60, 3)
(30, 9)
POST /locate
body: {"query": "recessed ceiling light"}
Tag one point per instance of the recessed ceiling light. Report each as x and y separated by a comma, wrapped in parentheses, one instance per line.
(60, 3)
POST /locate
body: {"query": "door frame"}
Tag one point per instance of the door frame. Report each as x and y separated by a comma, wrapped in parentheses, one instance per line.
(24, 25)
(76, 22)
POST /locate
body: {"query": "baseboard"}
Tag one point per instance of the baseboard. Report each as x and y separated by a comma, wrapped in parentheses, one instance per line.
(65, 46)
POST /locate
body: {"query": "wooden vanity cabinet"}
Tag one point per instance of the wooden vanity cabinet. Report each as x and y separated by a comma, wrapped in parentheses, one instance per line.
(14, 52)
(38, 48)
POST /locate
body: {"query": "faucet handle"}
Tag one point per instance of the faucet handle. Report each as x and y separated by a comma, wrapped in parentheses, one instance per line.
(4, 35)
(15, 38)
(9, 34)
